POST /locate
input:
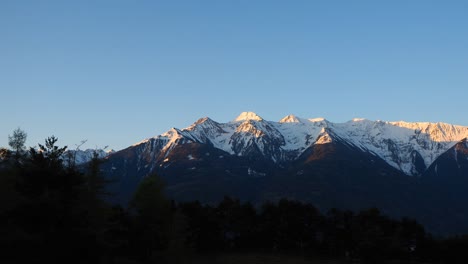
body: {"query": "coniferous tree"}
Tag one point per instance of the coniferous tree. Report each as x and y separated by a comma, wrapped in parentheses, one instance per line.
(56, 214)
(153, 215)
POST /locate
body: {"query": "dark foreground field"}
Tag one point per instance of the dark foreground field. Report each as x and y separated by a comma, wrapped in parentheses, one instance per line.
(241, 258)
(258, 258)
(251, 258)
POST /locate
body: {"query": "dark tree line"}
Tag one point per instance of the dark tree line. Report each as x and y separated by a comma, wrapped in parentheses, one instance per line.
(57, 213)
(292, 226)
(49, 211)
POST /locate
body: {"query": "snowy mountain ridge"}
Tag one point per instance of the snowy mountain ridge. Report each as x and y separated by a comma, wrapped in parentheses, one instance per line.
(82, 156)
(409, 147)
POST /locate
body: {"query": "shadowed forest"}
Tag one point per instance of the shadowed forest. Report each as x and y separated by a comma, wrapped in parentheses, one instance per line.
(54, 211)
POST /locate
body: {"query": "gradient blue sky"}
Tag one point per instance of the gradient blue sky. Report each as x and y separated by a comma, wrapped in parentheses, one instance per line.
(116, 72)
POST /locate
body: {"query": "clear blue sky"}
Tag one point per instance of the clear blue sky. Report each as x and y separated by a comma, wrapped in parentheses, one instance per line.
(116, 72)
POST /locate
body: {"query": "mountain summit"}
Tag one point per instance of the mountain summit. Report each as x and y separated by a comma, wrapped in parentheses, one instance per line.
(248, 116)
(290, 119)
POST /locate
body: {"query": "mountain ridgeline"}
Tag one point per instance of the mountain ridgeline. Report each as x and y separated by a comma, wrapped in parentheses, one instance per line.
(418, 170)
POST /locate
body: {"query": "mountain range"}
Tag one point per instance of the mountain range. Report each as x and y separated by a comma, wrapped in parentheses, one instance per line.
(417, 170)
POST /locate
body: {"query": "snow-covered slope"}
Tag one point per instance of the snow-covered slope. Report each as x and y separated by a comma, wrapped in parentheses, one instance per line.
(401, 144)
(409, 147)
(83, 156)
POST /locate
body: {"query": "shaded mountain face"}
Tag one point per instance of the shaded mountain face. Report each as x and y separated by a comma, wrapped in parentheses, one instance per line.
(447, 182)
(351, 165)
(451, 166)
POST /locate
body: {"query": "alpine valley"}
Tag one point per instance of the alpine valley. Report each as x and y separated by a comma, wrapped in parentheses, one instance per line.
(417, 170)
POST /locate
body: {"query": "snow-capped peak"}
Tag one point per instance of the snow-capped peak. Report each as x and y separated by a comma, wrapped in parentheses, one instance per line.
(317, 119)
(248, 116)
(110, 151)
(358, 119)
(290, 119)
(202, 120)
(205, 121)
